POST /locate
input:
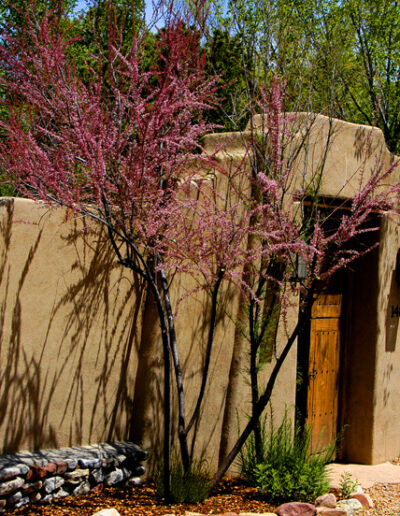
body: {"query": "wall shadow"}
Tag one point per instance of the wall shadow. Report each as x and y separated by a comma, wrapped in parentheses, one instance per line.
(69, 380)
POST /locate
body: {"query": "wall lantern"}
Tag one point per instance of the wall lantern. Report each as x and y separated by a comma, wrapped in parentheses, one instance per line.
(301, 268)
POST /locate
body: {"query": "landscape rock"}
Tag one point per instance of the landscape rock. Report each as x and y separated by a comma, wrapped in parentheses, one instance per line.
(11, 486)
(52, 483)
(18, 470)
(139, 470)
(96, 476)
(351, 506)
(32, 487)
(72, 464)
(326, 500)
(35, 497)
(364, 499)
(48, 498)
(115, 477)
(23, 501)
(61, 493)
(107, 512)
(78, 474)
(51, 468)
(328, 511)
(296, 509)
(14, 498)
(90, 463)
(120, 458)
(61, 467)
(36, 472)
(135, 481)
(257, 514)
(83, 488)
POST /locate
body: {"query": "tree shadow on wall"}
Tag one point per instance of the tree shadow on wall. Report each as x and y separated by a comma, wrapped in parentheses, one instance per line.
(192, 332)
(71, 382)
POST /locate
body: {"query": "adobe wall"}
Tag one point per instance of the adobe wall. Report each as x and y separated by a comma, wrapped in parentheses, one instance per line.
(80, 361)
(386, 428)
(67, 344)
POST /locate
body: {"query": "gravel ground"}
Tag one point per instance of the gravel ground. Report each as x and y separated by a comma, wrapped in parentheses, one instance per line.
(386, 498)
(230, 495)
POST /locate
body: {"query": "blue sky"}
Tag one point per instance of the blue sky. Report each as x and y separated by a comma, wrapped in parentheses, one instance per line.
(81, 4)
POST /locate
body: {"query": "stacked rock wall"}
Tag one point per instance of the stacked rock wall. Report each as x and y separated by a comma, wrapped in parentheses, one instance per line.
(42, 476)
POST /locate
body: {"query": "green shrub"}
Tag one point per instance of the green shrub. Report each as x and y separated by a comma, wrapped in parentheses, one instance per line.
(347, 485)
(189, 487)
(288, 471)
(7, 190)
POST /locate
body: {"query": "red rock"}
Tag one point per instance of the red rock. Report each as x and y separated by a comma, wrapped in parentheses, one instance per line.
(326, 500)
(36, 473)
(61, 467)
(296, 509)
(364, 499)
(51, 468)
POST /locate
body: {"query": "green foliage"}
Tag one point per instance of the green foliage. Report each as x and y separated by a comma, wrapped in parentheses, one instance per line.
(288, 471)
(189, 487)
(7, 190)
(347, 485)
(338, 57)
(227, 57)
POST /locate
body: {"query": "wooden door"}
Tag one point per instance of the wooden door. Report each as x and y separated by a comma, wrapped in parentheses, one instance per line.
(323, 370)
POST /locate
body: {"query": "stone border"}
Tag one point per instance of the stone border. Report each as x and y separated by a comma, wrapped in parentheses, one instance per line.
(45, 475)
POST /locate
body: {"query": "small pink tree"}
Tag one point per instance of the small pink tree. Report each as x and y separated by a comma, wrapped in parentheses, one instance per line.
(116, 147)
(121, 147)
(322, 236)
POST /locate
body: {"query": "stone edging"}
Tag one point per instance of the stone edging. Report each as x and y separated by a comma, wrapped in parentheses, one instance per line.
(47, 474)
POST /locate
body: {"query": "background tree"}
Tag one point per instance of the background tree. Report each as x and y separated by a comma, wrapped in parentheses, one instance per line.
(339, 58)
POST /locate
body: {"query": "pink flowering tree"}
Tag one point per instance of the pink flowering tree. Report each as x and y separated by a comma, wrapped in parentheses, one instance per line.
(322, 234)
(117, 148)
(120, 146)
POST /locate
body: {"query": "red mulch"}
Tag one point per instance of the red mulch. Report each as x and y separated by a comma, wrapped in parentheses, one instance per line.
(230, 495)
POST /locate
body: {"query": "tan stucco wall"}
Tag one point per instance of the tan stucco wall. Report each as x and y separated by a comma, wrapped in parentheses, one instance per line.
(73, 344)
(386, 428)
(80, 357)
(67, 348)
(345, 153)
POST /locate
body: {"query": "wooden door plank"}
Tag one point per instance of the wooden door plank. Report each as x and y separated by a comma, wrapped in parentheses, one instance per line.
(324, 362)
(327, 305)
